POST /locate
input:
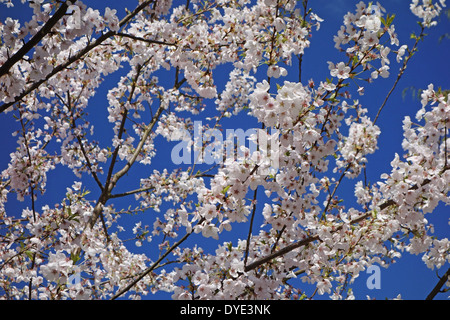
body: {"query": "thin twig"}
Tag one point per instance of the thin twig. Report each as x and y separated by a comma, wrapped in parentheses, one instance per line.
(402, 70)
(151, 41)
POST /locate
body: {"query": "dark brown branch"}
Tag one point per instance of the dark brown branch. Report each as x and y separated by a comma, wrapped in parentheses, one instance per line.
(439, 285)
(251, 227)
(46, 28)
(122, 124)
(151, 41)
(106, 195)
(281, 252)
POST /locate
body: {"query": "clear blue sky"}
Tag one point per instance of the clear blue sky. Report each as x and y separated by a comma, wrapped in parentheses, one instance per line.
(409, 276)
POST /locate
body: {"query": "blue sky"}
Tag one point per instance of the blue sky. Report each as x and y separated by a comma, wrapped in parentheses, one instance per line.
(409, 276)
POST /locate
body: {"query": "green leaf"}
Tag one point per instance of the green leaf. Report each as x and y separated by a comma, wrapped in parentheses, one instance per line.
(75, 258)
(29, 254)
(224, 191)
(390, 19)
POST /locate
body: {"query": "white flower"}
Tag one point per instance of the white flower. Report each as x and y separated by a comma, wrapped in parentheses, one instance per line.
(427, 95)
(401, 52)
(372, 23)
(207, 92)
(323, 286)
(210, 231)
(209, 212)
(57, 268)
(270, 3)
(327, 86)
(317, 18)
(101, 157)
(276, 71)
(340, 70)
(111, 19)
(384, 71)
(280, 25)
(361, 91)
(370, 38)
(76, 186)
(427, 11)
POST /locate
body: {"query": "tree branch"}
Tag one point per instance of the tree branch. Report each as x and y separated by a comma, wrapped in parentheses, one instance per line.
(46, 28)
(122, 124)
(151, 41)
(110, 186)
(76, 57)
(251, 227)
(300, 56)
(154, 265)
(439, 285)
(402, 70)
(310, 239)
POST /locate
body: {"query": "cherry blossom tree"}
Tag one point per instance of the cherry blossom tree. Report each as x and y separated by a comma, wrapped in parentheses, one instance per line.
(174, 56)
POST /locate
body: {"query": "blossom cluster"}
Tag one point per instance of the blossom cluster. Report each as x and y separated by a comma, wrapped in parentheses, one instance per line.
(127, 220)
(427, 11)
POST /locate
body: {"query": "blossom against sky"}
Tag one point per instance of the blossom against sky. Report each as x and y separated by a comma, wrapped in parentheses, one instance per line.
(321, 60)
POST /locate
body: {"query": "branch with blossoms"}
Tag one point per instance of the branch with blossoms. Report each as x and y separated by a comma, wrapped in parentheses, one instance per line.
(175, 62)
(46, 28)
(114, 25)
(369, 215)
